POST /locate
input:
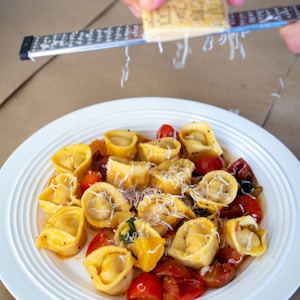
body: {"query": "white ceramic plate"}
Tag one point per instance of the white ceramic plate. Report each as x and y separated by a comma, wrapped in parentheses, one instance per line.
(38, 274)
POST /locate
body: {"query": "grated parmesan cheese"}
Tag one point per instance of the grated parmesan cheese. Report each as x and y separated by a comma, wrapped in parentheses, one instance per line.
(125, 70)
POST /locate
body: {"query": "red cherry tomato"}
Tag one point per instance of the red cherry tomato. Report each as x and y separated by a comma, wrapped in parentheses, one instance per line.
(208, 163)
(171, 267)
(167, 130)
(218, 275)
(191, 288)
(243, 205)
(241, 170)
(182, 289)
(170, 288)
(230, 256)
(178, 281)
(101, 239)
(89, 179)
(146, 286)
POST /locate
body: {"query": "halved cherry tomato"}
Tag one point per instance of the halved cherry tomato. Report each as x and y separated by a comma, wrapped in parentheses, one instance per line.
(167, 130)
(101, 239)
(218, 275)
(230, 256)
(178, 281)
(170, 288)
(99, 163)
(190, 288)
(182, 288)
(171, 267)
(243, 205)
(241, 170)
(146, 286)
(209, 163)
(89, 179)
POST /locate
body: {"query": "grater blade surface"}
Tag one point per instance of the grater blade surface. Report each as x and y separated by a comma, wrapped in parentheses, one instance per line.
(129, 35)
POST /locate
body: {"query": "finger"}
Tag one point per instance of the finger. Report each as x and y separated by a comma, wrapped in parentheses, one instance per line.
(134, 6)
(235, 2)
(136, 11)
(151, 4)
(291, 36)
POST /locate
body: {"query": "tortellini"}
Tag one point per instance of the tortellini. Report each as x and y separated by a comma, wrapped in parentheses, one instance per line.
(63, 190)
(196, 243)
(157, 151)
(121, 143)
(217, 189)
(145, 243)
(127, 174)
(245, 235)
(64, 232)
(104, 205)
(172, 176)
(75, 159)
(111, 269)
(162, 211)
(198, 140)
(148, 202)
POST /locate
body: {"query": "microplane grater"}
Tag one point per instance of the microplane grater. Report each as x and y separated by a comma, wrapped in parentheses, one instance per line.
(128, 35)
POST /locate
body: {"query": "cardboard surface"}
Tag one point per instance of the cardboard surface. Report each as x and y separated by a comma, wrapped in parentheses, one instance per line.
(260, 81)
(32, 17)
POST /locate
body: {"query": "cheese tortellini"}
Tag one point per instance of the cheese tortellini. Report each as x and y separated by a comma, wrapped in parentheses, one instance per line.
(144, 198)
(157, 151)
(198, 140)
(217, 189)
(64, 232)
(121, 143)
(163, 211)
(111, 269)
(196, 243)
(172, 176)
(63, 190)
(104, 205)
(244, 235)
(145, 243)
(127, 174)
(75, 159)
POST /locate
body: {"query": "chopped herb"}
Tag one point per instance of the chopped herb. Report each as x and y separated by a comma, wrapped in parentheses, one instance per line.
(131, 234)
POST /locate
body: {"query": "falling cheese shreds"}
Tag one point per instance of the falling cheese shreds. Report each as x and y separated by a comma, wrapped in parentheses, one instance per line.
(177, 19)
(125, 70)
(180, 60)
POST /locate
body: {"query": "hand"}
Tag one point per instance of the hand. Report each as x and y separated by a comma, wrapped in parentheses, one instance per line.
(136, 6)
(291, 36)
(290, 33)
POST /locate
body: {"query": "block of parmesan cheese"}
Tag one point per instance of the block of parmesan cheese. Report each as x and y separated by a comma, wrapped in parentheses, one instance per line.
(179, 19)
